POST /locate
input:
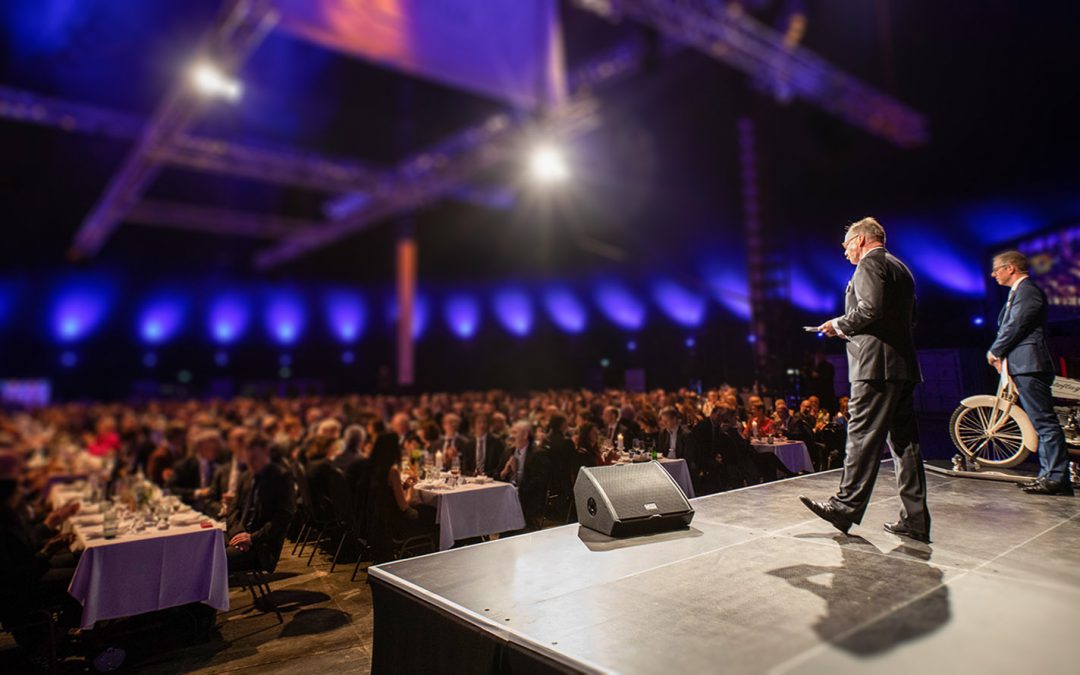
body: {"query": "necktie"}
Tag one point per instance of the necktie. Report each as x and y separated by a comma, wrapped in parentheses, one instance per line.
(480, 453)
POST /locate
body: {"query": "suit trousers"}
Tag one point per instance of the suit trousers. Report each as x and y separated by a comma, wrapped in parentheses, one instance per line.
(880, 410)
(1038, 403)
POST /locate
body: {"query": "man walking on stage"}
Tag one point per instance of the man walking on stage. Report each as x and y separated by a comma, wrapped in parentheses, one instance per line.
(879, 315)
(1021, 341)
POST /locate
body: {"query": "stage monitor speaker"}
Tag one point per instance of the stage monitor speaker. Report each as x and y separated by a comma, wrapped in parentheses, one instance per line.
(629, 499)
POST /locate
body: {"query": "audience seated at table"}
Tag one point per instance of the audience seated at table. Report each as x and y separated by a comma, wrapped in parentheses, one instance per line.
(673, 440)
(528, 466)
(191, 478)
(260, 515)
(483, 451)
(391, 515)
(35, 569)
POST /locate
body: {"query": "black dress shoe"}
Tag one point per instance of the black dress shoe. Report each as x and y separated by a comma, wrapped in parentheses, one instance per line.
(902, 529)
(826, 511)
(1045, 486)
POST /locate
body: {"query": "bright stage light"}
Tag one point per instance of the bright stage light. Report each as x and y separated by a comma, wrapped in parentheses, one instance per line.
(548, 165)
(209, 80)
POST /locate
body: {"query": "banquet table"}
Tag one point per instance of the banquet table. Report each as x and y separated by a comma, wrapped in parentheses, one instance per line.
(793, 454)
(680, 472)
(139, 572)
(472, 510)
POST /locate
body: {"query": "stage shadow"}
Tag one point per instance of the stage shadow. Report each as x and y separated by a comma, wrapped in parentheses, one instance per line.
(864, 585)
(596, 541)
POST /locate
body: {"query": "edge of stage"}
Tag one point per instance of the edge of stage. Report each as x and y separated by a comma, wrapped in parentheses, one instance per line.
(756, 583)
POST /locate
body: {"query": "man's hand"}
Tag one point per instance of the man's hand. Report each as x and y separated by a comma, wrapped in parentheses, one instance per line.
(55, 519)
(827, 328)
(241, 541)
(993, 361)
(202, 493)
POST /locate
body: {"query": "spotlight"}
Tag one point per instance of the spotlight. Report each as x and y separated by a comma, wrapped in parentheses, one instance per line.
(978, 321)
(548, 165)
(690, 342)
(631, 346)
(209, 80)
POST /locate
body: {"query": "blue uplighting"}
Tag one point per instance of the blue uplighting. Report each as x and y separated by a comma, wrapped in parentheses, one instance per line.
(419, 315)
(690, 343)
(161, 319)
(462, 314)
(730, 288)
(78, 311)
(952, 266)
(978, 321)
(346, 314)
(631, 346)
(229, 315)
(808, 294)
(565, 310)
(514, 310)
(1000, 221)
(285, 317)
(681, 305)
(620, 306)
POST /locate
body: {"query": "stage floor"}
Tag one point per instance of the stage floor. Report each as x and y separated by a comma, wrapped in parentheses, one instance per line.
(758, 584)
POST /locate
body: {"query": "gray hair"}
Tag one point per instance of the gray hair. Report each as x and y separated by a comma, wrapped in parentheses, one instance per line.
(355, 436)
(868, 227)
(1014, 258)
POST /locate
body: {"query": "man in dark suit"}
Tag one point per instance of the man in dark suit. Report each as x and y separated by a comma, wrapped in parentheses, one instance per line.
(527, 466)
(1021, 342)
(673, 440)
(484, 451)
(452, 444)
(879, 315)
(260, 514)
(192, 477)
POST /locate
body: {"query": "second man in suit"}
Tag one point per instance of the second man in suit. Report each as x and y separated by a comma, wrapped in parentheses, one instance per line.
(1021, 341)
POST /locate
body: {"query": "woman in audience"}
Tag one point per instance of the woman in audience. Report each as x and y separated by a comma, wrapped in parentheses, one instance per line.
(392, 516)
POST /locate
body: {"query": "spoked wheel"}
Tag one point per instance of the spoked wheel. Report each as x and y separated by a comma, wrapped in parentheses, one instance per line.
(973, 433)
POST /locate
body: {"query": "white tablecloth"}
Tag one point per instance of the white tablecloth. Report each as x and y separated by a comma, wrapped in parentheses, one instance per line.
(473, 511)
(793, 454)
(680, 472)
(141, 572)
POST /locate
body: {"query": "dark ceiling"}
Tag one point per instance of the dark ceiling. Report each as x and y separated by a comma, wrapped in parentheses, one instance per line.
(658, 181)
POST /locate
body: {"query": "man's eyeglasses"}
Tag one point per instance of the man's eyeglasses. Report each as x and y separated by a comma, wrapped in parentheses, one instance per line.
(997, 267)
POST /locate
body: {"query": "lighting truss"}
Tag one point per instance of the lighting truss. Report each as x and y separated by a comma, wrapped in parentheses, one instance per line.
(727, 33)
(241, 27)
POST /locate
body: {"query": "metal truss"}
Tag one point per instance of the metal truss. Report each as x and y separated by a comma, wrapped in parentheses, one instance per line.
(442, 170)
(212, 220)
(242, 26)
(727, 33)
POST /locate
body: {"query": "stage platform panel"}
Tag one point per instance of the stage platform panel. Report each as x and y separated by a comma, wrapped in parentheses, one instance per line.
(758, 584)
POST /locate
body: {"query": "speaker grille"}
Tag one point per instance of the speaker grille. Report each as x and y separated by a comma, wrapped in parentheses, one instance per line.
(640, 490)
